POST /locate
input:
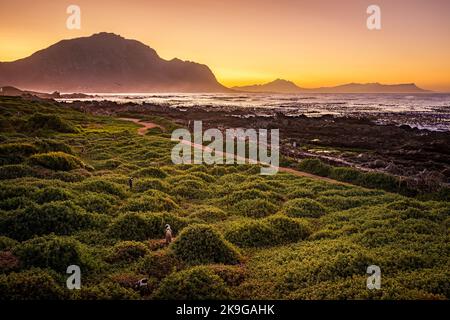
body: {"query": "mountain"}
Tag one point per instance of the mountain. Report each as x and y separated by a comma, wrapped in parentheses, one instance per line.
(278, 85)
(372, 88)
(284, 86)
(106, 62)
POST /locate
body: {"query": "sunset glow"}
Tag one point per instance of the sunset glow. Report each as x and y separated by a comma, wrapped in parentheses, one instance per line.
(313, 43)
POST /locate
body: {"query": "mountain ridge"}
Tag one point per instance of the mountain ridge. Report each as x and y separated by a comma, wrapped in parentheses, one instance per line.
(106, 62)
(285, 86)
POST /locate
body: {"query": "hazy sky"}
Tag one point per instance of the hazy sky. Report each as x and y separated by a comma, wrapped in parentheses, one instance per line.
(313, 43)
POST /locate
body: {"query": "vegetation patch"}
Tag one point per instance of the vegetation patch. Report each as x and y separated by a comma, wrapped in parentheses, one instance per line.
(201, 244)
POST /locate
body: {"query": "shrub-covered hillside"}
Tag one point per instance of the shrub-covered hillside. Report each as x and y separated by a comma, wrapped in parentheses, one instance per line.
(65, 200)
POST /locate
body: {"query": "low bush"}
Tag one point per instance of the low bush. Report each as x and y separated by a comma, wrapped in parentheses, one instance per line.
(201, 244)
(150, 172)
(145, 184)
(61, 218)
(103, 186)
(315, 166)
(127, 251)
(52, 252)
(50, 145)
(139, 227)
(302, 208)
(208, 214)
(7, 243)
(346, 174)
(197, 283)
(299, 192)
(255, 208)
(50, 194)
(105, 291)
(58, 161)
(34, 284)
(159, 264)
(190, 189)
(13, 153)
(39, 121)
(14, 171)
(270, 231)
(150, 204)
(96, 202)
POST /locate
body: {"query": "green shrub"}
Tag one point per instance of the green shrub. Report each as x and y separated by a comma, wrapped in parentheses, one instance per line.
(190, 189)
(198, 283)
(96, 202)
(251, 194)
(150, 184)
(50, 194)
(209, 214)
(15, 203)
(343, 202)
(12, 153)
(139, 227)
(256, 208)
(315, 166)
(270, 231)
(204, 176)
(346, 174)
(289, 229)
(14, 171)
(251, 234)
(381, 181)
(127, 251)
(50, 252)
(35, 284)
(299, 192)
(152, 172)
(201, 244)
(299, 208)
(49, 145)
(57, 161)
(159, 264)
(150, 203)
(7, 243)
(61, 218)
(103, 186)
(105, 291)
(39, 121)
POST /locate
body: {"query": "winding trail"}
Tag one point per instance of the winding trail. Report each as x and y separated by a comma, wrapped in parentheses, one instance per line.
(145, 125)
(148, 125)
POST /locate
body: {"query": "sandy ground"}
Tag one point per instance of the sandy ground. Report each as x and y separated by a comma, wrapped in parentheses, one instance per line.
(148, 125)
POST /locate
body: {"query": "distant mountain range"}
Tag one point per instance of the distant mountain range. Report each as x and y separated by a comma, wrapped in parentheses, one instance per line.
(109, 63)
(106, 62)
(284, 86)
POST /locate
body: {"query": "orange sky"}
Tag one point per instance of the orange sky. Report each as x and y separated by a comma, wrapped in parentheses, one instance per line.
(313, 43)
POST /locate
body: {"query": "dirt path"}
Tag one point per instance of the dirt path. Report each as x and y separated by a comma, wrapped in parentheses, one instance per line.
(145, 125)
(148, 125)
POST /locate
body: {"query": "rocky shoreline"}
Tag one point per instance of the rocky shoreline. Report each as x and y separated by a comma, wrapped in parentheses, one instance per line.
(362, 142)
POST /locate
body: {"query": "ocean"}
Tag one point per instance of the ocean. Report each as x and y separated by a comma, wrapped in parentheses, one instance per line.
(430, 111)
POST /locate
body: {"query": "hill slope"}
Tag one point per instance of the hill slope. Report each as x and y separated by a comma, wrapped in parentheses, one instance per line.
(64, 199)
(106, 62)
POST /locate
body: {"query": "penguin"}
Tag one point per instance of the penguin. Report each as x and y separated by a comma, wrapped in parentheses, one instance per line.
(168, 234)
